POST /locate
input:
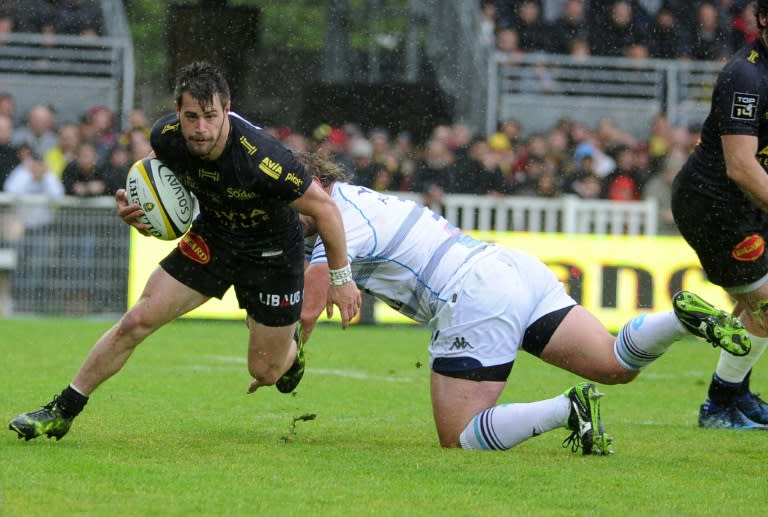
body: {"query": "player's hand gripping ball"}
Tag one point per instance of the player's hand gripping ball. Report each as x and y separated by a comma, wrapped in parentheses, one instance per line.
(167, 205)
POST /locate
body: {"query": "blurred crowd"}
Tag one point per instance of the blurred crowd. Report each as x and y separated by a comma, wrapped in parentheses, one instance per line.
(602, 162)
(66, 17)
(92, 156)
(664, 29)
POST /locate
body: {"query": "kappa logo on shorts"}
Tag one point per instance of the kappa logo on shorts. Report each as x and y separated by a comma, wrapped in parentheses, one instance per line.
(460, 344)
(749, 249)
(195, 248)
(744, 106)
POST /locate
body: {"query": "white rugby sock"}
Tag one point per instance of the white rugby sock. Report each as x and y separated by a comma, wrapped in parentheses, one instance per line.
(734, 369)
(502, 427)
(643, 339)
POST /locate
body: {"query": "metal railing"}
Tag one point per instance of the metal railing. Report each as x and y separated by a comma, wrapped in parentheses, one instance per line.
(539, 89)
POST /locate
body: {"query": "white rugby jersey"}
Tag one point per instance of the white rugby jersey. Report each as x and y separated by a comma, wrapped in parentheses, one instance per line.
(400, 252)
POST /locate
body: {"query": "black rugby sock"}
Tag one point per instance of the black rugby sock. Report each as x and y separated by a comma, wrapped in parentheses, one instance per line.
(71, 402)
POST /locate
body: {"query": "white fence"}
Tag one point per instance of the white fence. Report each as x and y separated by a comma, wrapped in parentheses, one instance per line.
(567, 214)
(71, 256)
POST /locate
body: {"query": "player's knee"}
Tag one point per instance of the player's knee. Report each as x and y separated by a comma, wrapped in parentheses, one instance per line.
(266, 372)
(134, 325)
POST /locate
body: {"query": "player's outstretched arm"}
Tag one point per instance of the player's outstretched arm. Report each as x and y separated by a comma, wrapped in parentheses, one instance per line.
(342, 292)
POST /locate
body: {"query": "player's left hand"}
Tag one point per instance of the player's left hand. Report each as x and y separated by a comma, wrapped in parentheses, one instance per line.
(130, 213)
(347, 298)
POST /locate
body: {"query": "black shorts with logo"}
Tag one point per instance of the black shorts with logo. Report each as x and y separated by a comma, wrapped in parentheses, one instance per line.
(728, 236)
(268, 282)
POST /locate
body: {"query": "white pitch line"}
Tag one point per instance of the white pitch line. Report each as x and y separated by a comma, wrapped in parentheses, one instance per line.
(334, 372)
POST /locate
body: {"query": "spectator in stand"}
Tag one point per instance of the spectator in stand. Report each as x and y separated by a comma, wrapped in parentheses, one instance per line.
(506, 13)
(585, 183)
(32, 177)
(9, 157)
(137, 121)
(488, 21)
(504, 156)
(139, 145)
(38, 132)
(570, 26)
(361, 152)
(508, 49)
(659, 187)
(380, 142)
(105, 134)
(78, 17)
(478, 172)
(536, 179)
(64, 152)
(84, 177)
(115, 170)
(710, 41)
(668, 39)
(8, 106)
(625, 183)
(620, 35)
(25, 16)
(435, 173)
(744, 29)
(533, 31)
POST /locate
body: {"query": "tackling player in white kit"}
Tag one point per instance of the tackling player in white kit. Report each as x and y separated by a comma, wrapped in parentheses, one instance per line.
(484, 303)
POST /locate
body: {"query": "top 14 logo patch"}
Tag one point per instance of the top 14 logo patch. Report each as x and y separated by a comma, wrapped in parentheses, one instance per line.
(744, 106)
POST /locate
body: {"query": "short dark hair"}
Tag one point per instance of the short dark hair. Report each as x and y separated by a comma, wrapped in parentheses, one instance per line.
(202, 81)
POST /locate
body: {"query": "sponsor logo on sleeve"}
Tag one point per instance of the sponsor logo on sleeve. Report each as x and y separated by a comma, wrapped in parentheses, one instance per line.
(744, 106)
(749, 249)
(292, 178)
(271, 168)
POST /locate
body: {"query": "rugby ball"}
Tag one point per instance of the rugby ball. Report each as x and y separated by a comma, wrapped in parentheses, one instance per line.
(167, 205)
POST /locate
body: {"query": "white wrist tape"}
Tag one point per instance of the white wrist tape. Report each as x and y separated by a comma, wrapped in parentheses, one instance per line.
(341, 276)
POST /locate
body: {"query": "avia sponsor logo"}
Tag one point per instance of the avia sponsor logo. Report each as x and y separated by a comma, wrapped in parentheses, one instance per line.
(249, 147)
(195, 248)
(749, 249)
(292, 178)
(208, 175)
(271, 168)
(169, 127)
(460, 344)
(239, 193)
(280, 300)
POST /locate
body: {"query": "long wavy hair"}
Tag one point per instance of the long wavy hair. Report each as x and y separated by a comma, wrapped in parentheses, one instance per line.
(325, 170)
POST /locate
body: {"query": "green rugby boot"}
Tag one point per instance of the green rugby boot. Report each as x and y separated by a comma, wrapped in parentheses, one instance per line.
(49, 420)
(584, 422)
(704, 320)
(291, 379)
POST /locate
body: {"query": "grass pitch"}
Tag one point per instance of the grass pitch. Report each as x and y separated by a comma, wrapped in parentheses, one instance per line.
(174, 433)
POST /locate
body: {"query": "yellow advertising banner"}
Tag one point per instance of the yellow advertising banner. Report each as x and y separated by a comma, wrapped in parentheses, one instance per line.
(615, 277)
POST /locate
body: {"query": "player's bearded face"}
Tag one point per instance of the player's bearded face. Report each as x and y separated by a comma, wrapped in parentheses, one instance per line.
(203, 125)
